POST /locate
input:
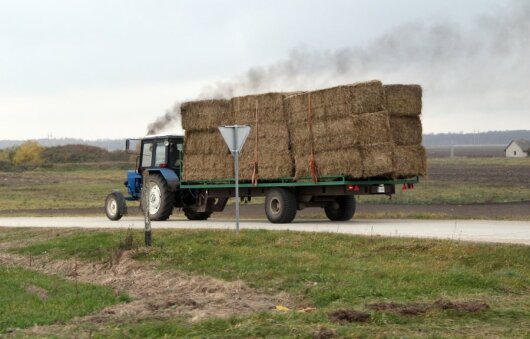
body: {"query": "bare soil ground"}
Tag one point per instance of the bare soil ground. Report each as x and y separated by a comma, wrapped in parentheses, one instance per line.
(466, 151)
(492, 174)
(417, 308)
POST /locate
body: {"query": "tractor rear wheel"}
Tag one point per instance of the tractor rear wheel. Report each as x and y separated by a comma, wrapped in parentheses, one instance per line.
(193, 215)
(115, 206)
(342, 209)
(161, 199)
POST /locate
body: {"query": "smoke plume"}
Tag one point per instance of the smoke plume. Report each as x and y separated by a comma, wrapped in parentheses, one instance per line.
(483, 67)
(171, 117)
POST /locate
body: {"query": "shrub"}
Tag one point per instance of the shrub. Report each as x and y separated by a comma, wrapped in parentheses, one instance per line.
(28, 154)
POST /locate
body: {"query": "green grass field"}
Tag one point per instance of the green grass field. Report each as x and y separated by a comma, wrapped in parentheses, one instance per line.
(81, 187)
(328, 272)
(451, 181)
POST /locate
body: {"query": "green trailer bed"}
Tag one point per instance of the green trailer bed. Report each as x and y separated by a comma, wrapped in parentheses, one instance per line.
(290, 182)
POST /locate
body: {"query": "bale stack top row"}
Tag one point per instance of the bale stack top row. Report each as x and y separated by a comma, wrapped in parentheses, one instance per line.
(404, 104)
(363, 130)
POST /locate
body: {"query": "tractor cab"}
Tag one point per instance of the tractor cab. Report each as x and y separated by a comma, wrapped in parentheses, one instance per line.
(155, 152)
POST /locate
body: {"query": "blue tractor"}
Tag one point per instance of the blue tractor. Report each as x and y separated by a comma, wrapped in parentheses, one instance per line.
(161, 157)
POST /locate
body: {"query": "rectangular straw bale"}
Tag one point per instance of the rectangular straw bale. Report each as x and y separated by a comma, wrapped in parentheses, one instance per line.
(208, 167)
(206, 114)
(274, 158)
(406, 130)
(334, 134)
(328, 135)
(204, 142)
(371, 128)
(279, 165)
(410, 161)
(347, 162)
(269, 107)
(403, 99)
(378, 160)
(340, 101)
(272, 137)
(270, 166)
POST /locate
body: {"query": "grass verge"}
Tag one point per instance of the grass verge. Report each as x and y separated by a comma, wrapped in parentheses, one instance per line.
(330, 272)
(28, 298)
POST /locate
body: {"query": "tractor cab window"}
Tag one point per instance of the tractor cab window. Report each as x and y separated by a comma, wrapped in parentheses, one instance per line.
(147, 154)
(160, 156)
(175, 153)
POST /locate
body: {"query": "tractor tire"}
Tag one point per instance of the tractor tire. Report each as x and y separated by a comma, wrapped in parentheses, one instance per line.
(280, 206)
(161, 199)
(193, 215)
(342, 210)
(115, 206)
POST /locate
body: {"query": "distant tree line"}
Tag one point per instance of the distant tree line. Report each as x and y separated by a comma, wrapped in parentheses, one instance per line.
(108, 144)
(31, 154)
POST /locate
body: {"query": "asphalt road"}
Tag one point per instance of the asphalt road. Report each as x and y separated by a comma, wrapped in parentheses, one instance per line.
(517, 232)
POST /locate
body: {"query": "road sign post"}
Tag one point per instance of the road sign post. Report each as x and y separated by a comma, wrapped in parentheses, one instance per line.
(235, 137)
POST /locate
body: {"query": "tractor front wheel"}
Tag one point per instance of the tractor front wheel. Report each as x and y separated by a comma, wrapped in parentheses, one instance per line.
(115, 206)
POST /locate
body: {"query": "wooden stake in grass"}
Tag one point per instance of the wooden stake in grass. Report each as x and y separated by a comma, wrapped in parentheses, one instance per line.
(147, 218)
(76, 282)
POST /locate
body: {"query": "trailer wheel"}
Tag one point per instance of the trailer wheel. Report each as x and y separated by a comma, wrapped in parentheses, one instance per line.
(342, 210)
(193, 215)
(115, 206)
(161, 199)
(280, 206)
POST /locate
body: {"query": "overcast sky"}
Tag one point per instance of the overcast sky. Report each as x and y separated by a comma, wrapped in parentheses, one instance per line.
(106, 69)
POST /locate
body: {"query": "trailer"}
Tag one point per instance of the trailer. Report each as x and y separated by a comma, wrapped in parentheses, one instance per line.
(161, 158)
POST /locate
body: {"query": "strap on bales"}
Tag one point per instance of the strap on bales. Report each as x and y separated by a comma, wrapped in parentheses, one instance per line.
(312, 162)
(256, 151)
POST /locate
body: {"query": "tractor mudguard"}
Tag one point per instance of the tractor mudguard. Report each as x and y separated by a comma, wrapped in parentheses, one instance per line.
(169, 175)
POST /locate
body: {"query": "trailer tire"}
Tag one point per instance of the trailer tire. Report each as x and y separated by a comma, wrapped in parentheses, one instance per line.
(115, 206)
(161, 199)
(345, 210)
(193, 215)
(280, 206)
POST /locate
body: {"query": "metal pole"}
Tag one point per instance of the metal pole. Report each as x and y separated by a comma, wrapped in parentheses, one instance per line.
(147, 217)
(236, 165)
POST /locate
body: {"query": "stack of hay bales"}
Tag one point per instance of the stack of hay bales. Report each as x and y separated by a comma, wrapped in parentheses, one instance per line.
(363, 130)
(347, 129)
(206, 155)
(404, 103)
(267, 145)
